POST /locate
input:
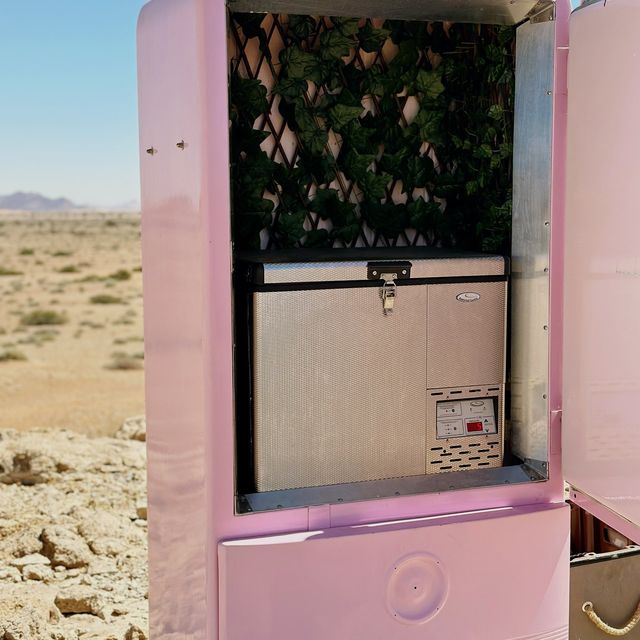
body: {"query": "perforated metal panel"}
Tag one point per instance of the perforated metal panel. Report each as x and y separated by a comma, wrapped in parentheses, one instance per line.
(466, 339)
(339, 388)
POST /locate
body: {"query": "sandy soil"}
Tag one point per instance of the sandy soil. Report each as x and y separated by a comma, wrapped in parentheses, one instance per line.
(85, 374)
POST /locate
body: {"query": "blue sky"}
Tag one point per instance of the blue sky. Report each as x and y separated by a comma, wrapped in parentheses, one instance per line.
(68, 106)
(68, 120)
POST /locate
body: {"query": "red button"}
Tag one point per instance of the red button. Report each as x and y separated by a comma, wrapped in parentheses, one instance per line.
(474, 426)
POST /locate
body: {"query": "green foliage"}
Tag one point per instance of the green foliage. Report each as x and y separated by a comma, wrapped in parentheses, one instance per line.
(451, 162)
(43, 317)
(105, 298)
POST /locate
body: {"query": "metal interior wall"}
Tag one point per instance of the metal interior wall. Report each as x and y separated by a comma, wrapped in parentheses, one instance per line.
(530, 240)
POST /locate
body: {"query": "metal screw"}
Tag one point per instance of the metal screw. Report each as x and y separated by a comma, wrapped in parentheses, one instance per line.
(375, 273)
(151, 151)
(404, 272)
(546, 269)
(181, 145)
(549, 93)
(545, 327)
(546, 223)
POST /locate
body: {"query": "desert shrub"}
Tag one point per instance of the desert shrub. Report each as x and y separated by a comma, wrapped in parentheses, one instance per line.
(70, 268)
(62, 254)
(26, 252)
(12, 355)
(120, 274)
(121, 361)
(43, 317)
(6, 271)
(105, 298)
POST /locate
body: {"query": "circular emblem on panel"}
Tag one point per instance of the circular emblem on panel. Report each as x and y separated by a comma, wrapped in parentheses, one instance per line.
(417, 588)
(468, 296)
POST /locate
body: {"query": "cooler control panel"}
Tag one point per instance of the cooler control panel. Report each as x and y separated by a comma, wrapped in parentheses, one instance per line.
(463, 418)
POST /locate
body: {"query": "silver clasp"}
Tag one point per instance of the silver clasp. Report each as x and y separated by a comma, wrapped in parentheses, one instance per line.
(388, 292)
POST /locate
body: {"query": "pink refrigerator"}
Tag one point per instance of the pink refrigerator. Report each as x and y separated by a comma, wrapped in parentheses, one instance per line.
(475, 553)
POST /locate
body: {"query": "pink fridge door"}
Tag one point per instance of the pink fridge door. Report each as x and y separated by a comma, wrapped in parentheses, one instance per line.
(497, 575)
(601, 384)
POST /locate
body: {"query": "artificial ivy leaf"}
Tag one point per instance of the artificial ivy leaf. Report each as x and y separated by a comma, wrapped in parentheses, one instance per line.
(417, 172)
(495, 112)
(246, 139)
(247, 228)
(334, 45)
(394, 163)
(248, 99)
(250, 23)
(341, 115)
(429, 84)
(290, 227)
(374, 186)
(290, 88)
(300, 65)
(374, 81)
(317, 238)
(346, 26)
(423, 215)
(483, 151)
(324, 202)
(446, 185)
(371, 39)
(356, 164)
(429, 125)
(313, 137)
(389, 219)
(314, 140)
(320, 168)
(359, 138)
(302, 26)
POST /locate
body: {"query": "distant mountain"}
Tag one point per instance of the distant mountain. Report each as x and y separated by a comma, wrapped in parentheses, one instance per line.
(21, 201)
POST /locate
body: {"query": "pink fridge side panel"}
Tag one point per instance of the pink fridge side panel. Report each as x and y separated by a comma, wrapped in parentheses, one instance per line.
(501, 575)
(601, 420)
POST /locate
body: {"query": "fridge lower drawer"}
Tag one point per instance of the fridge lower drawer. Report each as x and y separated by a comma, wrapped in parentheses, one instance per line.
(611, 582)
(495, 575)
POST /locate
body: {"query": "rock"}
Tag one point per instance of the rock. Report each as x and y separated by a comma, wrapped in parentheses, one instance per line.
(80, 599)
(135, 633)
(65, 547)
(32, 558)
(26, 611)
(133, 429)
(102, 566)
(37, 572)
(10, 574)
(107, 534)
(141, 511)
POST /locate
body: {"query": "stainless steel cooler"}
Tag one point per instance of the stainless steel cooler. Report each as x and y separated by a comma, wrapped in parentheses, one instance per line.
(380, 366)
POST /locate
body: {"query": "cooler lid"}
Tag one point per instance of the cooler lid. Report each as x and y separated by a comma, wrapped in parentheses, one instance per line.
(601, 376)
(357, 265)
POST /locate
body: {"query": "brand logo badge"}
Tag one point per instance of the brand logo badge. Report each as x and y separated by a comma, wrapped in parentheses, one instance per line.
(468, 296)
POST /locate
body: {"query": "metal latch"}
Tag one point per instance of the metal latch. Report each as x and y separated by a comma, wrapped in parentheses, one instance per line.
(389, 272)
(388, 291)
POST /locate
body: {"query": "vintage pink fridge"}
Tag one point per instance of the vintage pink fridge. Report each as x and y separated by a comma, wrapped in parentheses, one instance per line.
(478, 553)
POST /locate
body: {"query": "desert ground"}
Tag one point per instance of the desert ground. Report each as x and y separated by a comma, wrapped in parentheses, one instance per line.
(73, 546)
(71, 345)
